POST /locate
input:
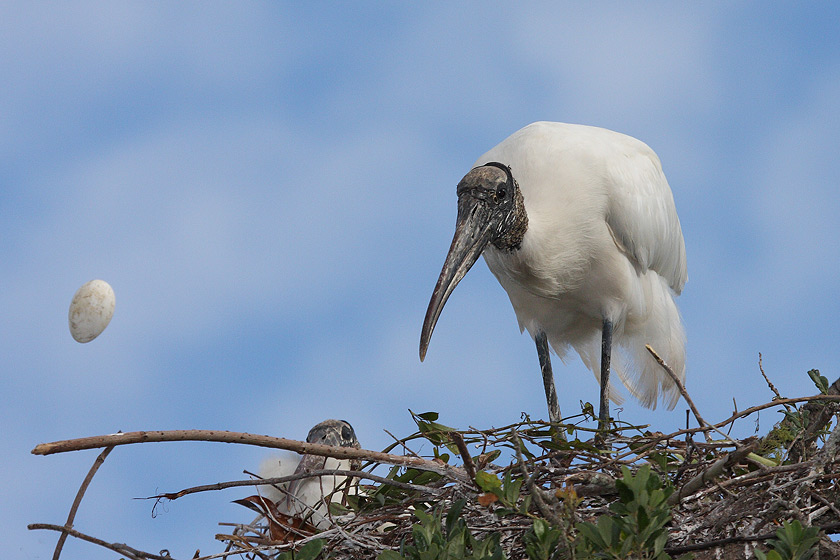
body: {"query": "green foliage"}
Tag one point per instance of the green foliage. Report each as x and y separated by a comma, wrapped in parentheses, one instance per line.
(775, 443)
(792, 542)
(819, 381)
(434, 540)
(386, 494)
(507, 490)
(542, 541)
(436, 433)
(637, 530)
(780, 444)
(309, 551)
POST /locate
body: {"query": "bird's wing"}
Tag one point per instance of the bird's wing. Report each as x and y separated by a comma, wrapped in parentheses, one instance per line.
(642, 216)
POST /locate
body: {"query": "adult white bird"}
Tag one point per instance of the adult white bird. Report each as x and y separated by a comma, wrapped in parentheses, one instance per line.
(308, 498)
(578, 225)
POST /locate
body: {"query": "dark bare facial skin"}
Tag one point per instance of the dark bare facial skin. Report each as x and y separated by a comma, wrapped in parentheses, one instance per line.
(337, 433)
(490, 210)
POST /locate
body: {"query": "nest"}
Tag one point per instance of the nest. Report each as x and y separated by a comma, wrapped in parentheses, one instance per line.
(722, 497)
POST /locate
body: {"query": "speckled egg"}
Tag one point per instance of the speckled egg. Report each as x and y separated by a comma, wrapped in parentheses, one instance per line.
(91, 310)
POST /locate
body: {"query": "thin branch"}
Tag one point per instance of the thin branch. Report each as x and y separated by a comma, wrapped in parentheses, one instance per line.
(714, 470)
(121, 548)
(736, 416)
(249, 549)
(818, 416)
(830, 528)
(397, 441)
(289, 478)
(272, 546)
(79, 495)
(681, 388)
(767, 379)
(545, 510)
(469, 466)
(757, 476)
(249, 439)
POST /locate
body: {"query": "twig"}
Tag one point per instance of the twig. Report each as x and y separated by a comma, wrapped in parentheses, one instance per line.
(818, 415)
(397, 441)
(245, 547)
(116, 547)
(830, 528)
(272, 546)
(681, 388)
(469, 466)
(755, 476)
(746, 412)
(546, 511)
(716, 469)
(76, 502)
(767, 379)
(289, 478)
(249, 439)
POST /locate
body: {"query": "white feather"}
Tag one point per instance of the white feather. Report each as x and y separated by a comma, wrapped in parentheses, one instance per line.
(603, 241)
(311, 496)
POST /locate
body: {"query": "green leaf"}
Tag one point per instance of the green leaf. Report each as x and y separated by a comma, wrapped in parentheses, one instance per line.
(763, 460)
(820, 381)
(454, 515)
(493, 455)
(488, 482)
(337, 508)
(389, 555)
(541, 527)
(310, 550)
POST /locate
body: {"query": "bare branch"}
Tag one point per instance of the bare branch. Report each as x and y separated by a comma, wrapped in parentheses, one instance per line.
(469, 466)
(291, 477)
(681, 388)
(536, 492)
(79, 495)
(716, 469)
(249, 439)
(736, 416)
(767, 379)
(121, 548)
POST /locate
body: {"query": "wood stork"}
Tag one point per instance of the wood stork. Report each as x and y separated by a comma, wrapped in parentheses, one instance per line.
(308, 498)
(578, 225)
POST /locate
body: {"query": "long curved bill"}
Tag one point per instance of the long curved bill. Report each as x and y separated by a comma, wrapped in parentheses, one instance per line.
(472, 234)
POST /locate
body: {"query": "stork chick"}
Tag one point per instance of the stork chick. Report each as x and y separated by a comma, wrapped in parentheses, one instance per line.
(308, 498)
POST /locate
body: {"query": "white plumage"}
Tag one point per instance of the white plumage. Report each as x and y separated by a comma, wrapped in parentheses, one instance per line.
(308, 498)
(601, 243)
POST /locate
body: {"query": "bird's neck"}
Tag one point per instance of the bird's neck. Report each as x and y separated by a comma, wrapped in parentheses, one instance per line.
(515, 224)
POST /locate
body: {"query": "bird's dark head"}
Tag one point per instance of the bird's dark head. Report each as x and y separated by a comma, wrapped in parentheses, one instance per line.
(490, 211)
(337, 433)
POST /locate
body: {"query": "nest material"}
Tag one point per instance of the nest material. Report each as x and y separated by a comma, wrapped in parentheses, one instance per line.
(729, 496)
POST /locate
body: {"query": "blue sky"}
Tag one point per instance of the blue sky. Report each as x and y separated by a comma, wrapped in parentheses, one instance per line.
(270, 190)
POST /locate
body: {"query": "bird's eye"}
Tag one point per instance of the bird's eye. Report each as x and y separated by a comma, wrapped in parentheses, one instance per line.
(501, 193)
(346, 433)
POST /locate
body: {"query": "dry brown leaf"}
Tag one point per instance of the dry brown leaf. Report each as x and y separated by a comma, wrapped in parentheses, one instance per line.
(487, 498)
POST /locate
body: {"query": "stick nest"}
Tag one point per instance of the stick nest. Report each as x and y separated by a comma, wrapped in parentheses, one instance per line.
(725, 497)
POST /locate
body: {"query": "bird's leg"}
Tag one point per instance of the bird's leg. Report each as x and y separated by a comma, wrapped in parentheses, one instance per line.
(606, 352)
(548, 377)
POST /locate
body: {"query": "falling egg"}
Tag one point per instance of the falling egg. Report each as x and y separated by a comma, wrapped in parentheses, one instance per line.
(91, 310)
